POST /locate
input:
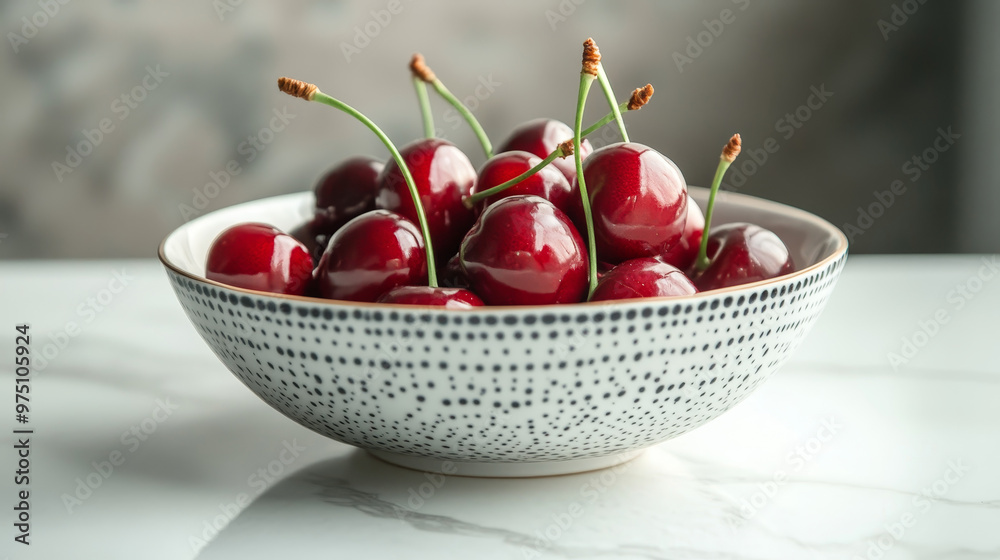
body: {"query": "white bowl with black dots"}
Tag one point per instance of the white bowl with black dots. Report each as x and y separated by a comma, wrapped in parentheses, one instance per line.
(507, 391)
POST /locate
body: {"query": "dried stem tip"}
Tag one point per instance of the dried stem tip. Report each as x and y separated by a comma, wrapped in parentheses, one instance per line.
(566, 148)
(640, 96)
(732, 149)
(297, 88)
(591, 57)
(420, 69)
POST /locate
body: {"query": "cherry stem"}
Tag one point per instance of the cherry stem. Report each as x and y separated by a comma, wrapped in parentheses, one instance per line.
(623, 106)
(421, 218)
(425, 106)
(610, 95)
(471, 201)
(729, 154)
(467, 114)
(586, 80)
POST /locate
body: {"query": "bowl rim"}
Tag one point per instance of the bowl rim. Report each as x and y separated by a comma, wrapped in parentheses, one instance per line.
(743, 199)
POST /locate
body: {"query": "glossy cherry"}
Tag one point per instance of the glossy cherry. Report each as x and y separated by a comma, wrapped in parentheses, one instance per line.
(525, 251)
(740, 253)
(345, 192)
(443, 176)
(638, 199)
(313, 243)
(685, 251)
(541, 137)
(371, 255)
(452, 275)
(549, 183)
(260, 257)
(449, 298)
(642, 278)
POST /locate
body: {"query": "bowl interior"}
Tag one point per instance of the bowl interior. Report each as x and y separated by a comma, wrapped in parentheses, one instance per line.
(809, 238)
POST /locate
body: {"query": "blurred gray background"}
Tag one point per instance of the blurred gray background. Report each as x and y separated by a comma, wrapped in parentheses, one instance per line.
(186, 88)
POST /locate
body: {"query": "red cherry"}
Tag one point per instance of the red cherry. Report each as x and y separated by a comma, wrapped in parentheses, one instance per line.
(443, 176)
(641, 278)
(638, 199)
(525, 251)
(548, 183)
(371, 255)
(541, 137)
(685, 251)
(449, 298)
(313, 243)
(740, 253)
(259, 257)
(345, 192)
(452, 275)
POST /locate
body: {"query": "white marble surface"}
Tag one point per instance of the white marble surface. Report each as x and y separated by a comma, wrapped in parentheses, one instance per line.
(860, 450)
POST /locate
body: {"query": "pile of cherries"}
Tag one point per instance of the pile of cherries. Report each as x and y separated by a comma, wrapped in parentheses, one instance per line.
(523, 246)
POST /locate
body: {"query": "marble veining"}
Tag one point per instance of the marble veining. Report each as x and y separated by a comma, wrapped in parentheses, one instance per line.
(215, 480)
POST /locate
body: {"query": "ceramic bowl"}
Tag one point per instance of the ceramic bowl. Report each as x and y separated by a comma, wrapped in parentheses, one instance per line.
(507, 391)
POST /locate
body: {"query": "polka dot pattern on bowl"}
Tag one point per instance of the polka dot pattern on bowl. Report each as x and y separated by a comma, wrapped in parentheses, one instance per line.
(507, 385)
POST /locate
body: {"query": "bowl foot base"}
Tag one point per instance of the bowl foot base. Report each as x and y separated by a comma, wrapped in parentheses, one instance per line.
(504, 470)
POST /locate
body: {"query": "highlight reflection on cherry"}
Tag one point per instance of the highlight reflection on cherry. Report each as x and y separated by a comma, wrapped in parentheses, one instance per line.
(740, 253)
(371, 255)
(638, 199)
(260, 257)
(525, 251)
(642, 278)
(443, 176)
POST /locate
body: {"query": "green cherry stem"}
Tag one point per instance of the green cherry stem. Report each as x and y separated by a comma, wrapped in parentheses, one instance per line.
(467, 114)
(610, 95)
(729, 153)
(586, 80)
(604, 120)
(639, 98)
(310, 92)
(425, 106)
(591, 62)
(420, 69)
